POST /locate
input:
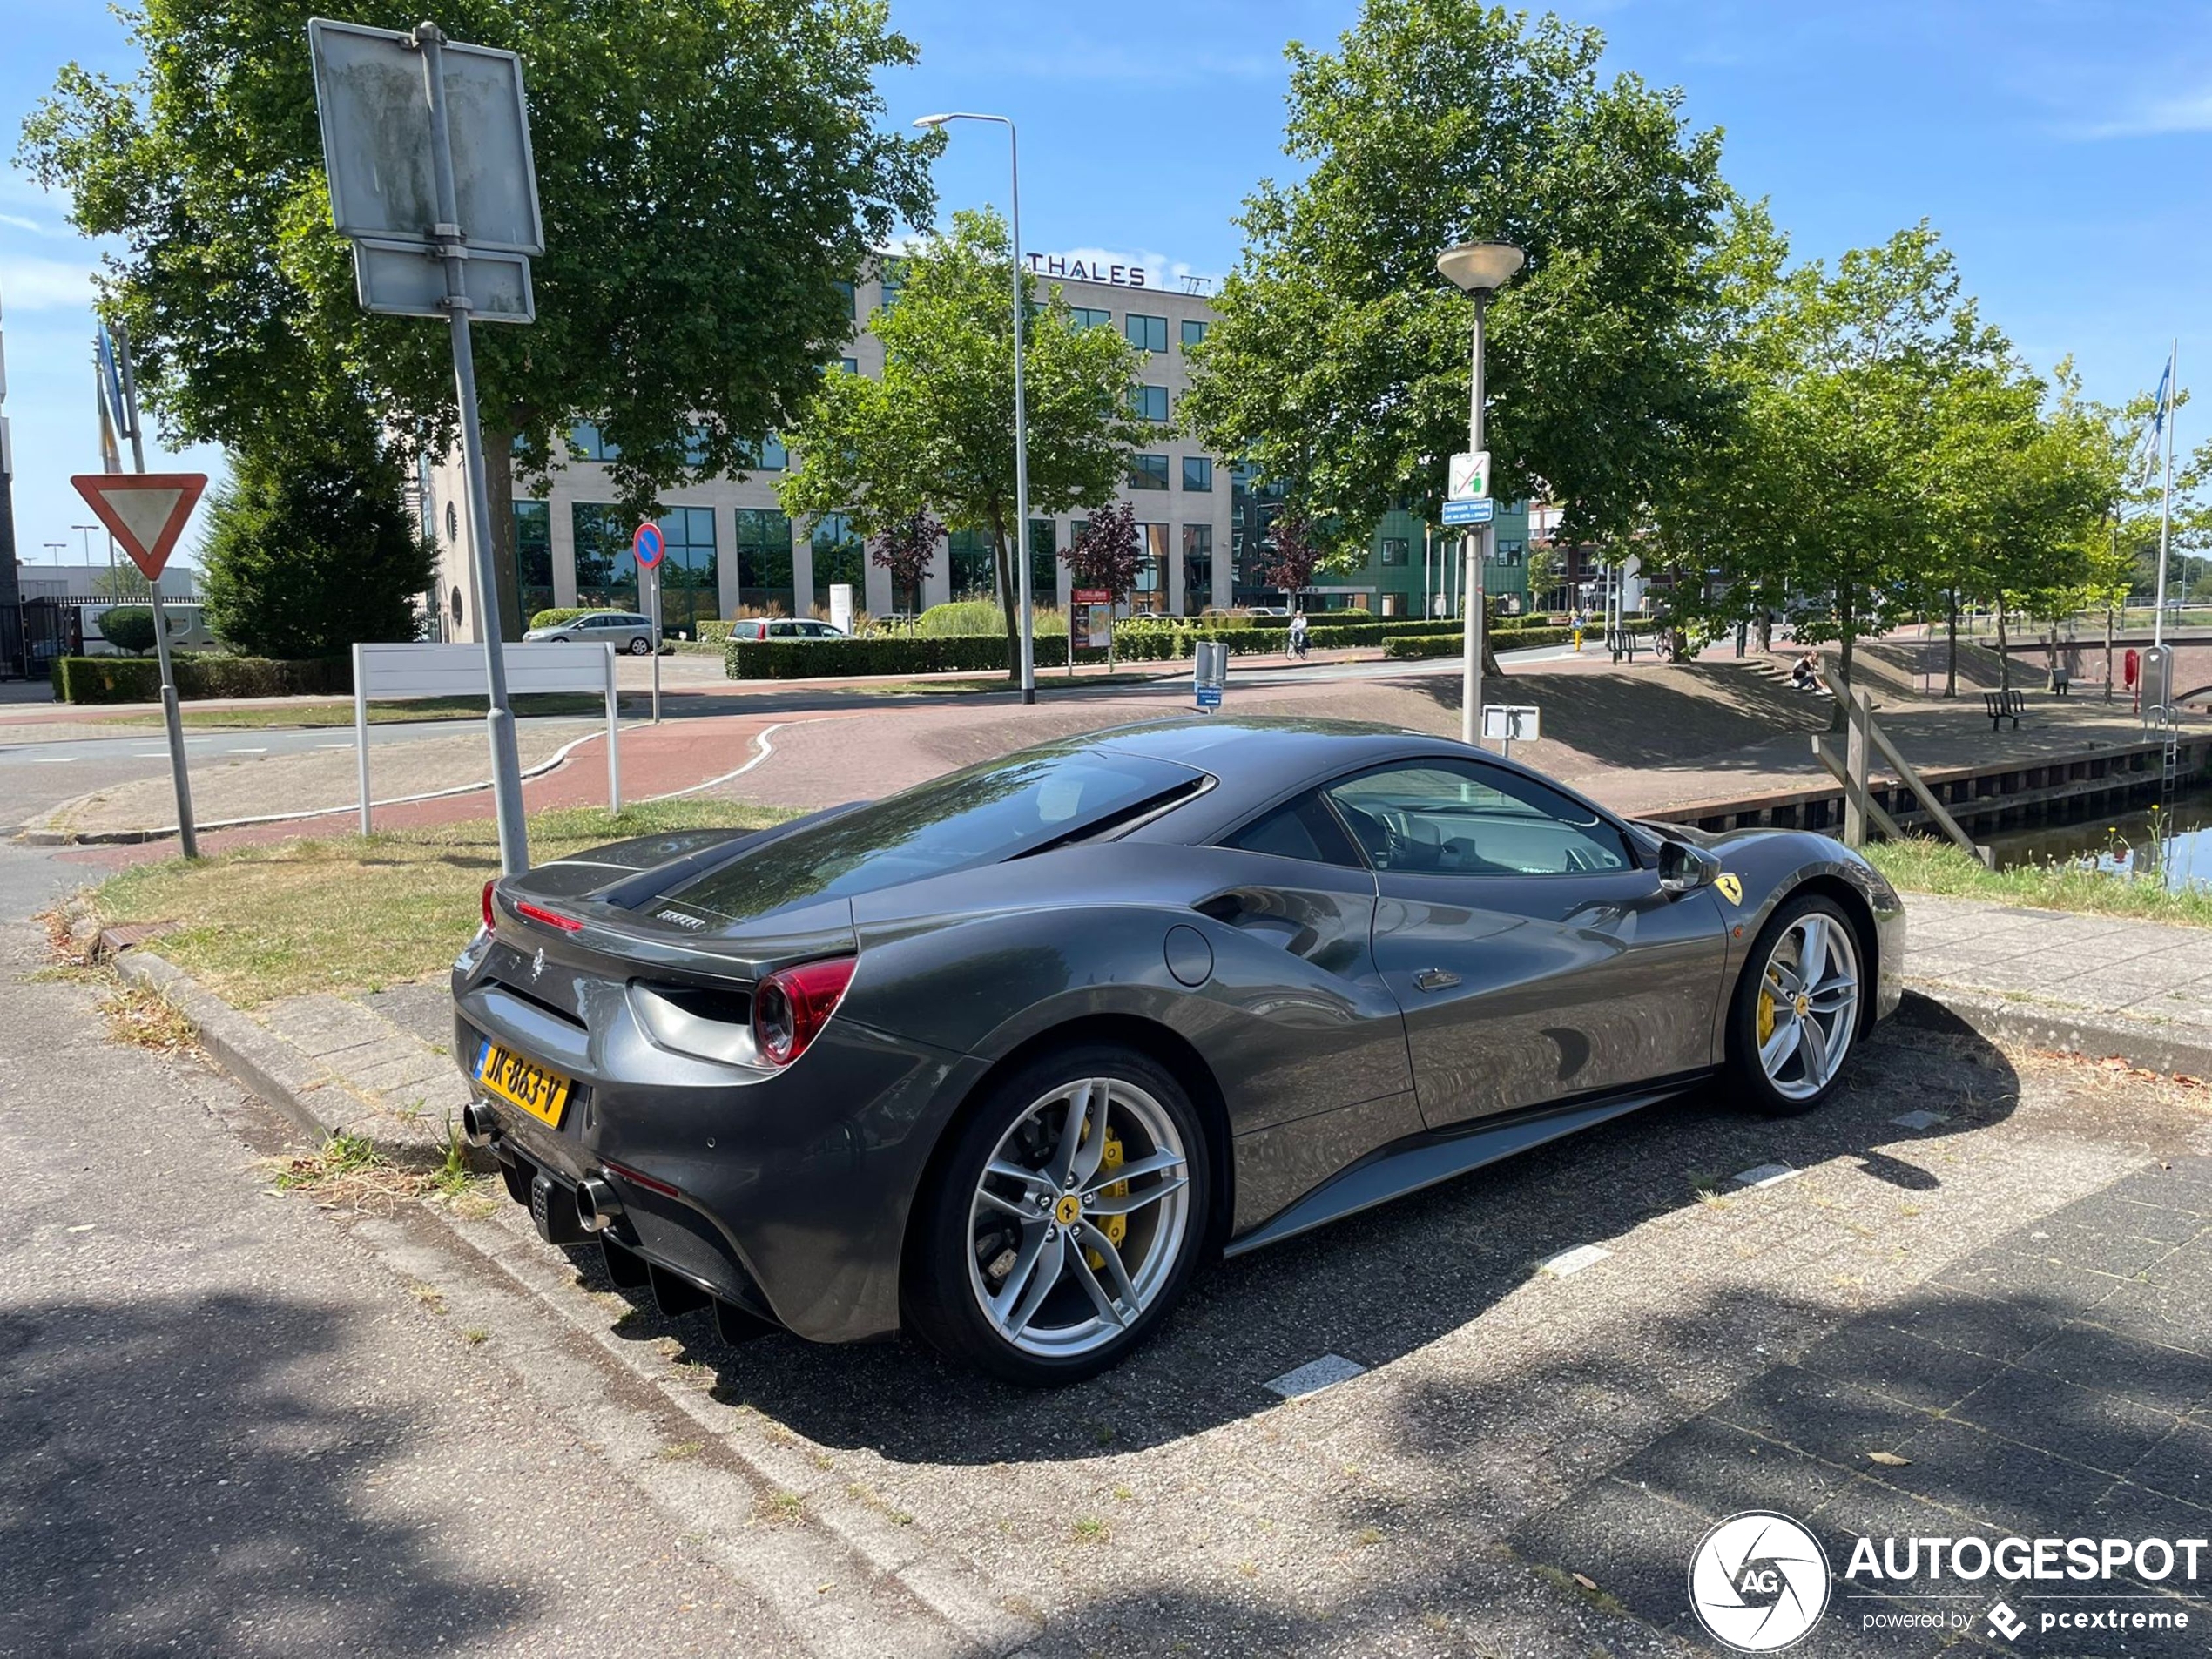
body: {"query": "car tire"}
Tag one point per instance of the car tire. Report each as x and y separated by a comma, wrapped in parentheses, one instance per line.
(641, 647)
(1768, 1070)
(961, 1241)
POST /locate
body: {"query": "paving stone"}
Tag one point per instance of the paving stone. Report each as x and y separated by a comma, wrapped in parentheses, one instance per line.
(2000, 1272)
(320, 1026)
(2023, 1489)
(1315, 1375)
(2001, 1328)
(1885, 1361)
(2159, 1376)
(2180, 1466)
(1820, 1416)
(2088, 1425)
(1920, 1120)
(1575, 1260)
(1764, 1175)
(1632, 1544)
(1716, 1470)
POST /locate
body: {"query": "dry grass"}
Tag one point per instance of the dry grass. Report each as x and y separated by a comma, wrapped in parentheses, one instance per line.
(353, 914)
(147, 1019)
(347, 1173)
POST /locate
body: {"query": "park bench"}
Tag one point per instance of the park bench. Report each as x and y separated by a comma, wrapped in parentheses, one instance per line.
(1621, 642)
(2004, 705)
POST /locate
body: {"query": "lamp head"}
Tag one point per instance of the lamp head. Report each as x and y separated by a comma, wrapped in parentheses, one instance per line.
(932, 120)
(1479, 267)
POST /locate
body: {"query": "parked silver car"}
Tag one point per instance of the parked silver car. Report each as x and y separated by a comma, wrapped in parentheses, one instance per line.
(623, 629)
(785, 628)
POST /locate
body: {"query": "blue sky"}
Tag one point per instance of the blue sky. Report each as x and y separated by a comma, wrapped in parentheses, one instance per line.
(2062, 150)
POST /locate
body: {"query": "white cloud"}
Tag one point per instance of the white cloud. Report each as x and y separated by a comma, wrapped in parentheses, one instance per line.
(44, 284)
(2191, 112)
(30, 224)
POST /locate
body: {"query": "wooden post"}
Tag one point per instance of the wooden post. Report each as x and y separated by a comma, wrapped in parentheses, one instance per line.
(1857, 762)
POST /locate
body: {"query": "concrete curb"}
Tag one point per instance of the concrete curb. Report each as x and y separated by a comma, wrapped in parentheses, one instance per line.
(2052, 1026)
(313, 1093)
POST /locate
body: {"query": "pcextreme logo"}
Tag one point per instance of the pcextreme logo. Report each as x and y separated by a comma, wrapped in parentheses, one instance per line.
(1759, 1581)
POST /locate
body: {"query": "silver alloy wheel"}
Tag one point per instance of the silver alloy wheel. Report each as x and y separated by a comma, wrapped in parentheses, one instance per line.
(1807, 1011)
(1046, 1203)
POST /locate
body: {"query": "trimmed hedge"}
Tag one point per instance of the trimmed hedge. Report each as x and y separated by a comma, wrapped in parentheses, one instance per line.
(1449, 644)
(137, 679)
(558, 614)
(801, 660)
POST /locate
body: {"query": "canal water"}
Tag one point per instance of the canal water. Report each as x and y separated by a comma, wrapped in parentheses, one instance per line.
(2175, 845)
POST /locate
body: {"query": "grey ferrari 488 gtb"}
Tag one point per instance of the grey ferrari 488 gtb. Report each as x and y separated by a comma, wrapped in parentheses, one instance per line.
(1005, 1058)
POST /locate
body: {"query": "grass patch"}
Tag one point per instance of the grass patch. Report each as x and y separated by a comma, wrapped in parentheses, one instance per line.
(353, 912)
(1923, 866)
(397, 713)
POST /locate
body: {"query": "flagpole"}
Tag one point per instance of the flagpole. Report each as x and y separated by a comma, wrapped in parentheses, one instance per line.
(2166, 505)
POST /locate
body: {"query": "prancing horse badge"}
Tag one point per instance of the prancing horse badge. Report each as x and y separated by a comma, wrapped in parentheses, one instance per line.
(1731, 889)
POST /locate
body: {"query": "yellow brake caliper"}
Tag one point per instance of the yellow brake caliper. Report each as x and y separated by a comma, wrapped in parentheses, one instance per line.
(1115, 1227)
(1766, 1012)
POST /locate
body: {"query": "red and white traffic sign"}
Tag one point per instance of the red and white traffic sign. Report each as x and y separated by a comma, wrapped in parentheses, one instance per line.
(146, 511)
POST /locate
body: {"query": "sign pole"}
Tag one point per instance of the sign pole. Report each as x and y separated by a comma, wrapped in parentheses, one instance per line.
(499, 719)
(172, 717)
(656, 645)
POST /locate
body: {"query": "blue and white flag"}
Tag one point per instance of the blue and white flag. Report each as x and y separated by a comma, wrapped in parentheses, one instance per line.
(110, 383)
(2158, 403)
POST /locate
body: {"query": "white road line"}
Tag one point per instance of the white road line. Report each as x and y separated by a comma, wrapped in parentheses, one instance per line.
(333, 745)
(51, 760)
(244, 751)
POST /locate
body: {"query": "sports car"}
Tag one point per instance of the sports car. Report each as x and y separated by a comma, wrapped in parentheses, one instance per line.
(1003, 1059)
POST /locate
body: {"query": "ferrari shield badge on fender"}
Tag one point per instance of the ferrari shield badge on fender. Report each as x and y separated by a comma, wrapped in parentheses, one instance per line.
(1731, 889)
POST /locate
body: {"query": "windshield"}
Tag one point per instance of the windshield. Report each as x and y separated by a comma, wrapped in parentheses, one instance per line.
(984, 815)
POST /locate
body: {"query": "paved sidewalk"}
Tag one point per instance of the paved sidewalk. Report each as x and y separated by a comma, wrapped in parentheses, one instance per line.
(2141, 985)
(2055, 1383)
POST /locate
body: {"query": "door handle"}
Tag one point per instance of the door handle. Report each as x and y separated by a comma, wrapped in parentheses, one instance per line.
(1434, 979)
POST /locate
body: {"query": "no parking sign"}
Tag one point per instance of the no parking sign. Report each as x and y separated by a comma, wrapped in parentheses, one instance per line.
(648, 544)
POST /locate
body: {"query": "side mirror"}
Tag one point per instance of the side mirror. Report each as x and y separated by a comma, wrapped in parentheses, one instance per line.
(1685, 868)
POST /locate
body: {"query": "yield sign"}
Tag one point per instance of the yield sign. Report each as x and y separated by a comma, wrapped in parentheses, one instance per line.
(147, 510)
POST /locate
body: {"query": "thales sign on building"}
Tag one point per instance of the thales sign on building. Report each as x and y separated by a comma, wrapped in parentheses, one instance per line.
(1078, 270)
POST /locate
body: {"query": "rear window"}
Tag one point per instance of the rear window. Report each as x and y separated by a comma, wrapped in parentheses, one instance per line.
(984, 815)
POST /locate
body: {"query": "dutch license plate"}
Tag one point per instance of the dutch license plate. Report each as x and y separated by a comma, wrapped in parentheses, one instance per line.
(543, 1093)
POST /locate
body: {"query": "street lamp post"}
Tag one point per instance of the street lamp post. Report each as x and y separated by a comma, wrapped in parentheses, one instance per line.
(1025, 599)
(1478, 268)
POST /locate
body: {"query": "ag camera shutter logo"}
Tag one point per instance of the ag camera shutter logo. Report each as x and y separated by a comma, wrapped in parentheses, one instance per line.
(1759, 1581)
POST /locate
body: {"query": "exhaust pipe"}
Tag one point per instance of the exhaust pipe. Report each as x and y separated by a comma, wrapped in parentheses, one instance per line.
(597, 1204)
(477, 1124)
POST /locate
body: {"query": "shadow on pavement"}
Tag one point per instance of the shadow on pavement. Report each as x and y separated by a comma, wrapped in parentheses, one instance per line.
(171, 1483)
(1372, 1288)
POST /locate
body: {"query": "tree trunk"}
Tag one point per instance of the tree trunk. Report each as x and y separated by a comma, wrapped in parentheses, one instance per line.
(2108, 652)
(1847, 637)
(499, 500)
(1950, 663)
(2004, 660)
(1009, 602)
(1766, 631)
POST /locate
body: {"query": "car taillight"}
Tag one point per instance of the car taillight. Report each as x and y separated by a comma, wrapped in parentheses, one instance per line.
(489, 921)
(538, 913)
(790, 1008)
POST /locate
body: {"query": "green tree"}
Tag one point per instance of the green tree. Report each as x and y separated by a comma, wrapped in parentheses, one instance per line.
(311, 548)
(1338, 364)
(936, 432)
(1829, 469)
(708, 173)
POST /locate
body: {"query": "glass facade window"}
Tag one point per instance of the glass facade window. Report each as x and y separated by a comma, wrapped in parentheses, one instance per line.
(1086, 317)
(695, 445)
(1193, 331)
(852, 300)
(975, 571)
(1149, 595)
(1396, 550)
(606, 570)
(534, 557)
(1148, 403)
(838, 557)
(1148, 472)
(850, 364)
(590, 444)
(1197, 568)
(1146, 333)
(764, 454)
(1044, 563)
(1393, 604)
(893, 278)
(1197, 472)
(690, 583)
(765, 562)
(1508, 552)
